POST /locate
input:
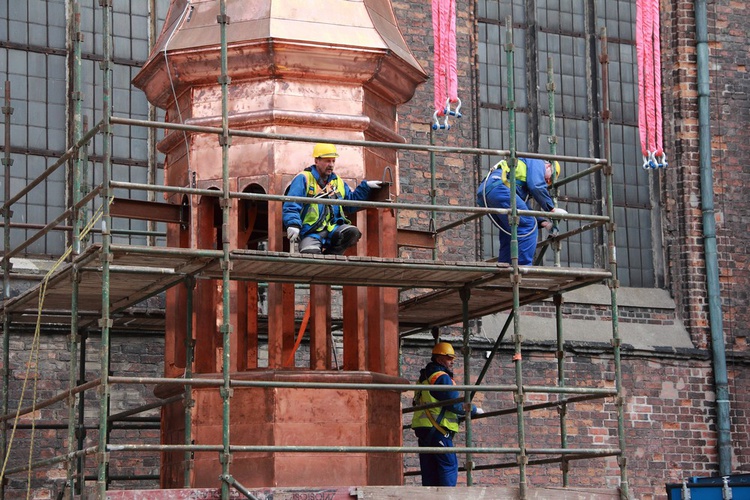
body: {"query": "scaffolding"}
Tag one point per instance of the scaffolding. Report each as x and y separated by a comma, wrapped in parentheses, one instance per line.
(118, 277)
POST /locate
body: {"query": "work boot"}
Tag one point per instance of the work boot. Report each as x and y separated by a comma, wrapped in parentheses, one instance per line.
(344, 237)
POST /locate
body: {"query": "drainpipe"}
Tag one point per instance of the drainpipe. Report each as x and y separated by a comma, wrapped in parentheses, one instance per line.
(709, 243)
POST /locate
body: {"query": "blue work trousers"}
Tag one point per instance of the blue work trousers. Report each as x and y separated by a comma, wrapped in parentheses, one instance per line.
(438, 469)
(498, 196)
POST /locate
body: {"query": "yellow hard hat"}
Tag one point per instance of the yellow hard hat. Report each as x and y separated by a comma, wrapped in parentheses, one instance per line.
(444, 349)
(322, 150)
(556, 164)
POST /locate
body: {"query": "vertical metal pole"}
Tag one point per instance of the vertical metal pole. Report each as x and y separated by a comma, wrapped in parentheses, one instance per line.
(465, 295)
(7, 214)
(81, 431)
(513, 216)
(151, 131)
(433, 191)
(188, 401)
(614, 282)
(75, 79)
(83, 156)
(553, 147)
(226, 327)
(73, 376)
(77, 97)
(106, 322)
(515, 276)
(562, 409)
(558, 298)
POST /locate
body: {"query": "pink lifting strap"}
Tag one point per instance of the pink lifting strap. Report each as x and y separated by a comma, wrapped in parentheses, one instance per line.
(444, 46)
(648, 51)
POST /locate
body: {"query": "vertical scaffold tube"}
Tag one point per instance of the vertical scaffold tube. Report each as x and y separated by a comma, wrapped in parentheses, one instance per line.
(553, 147)
(75, 40)
(153, 19)
(188, 401)
(73, 376)
(558, 298)
(612, 254)
(433, 191)
(465, 295)
(226, 327)
(7, 162)
(105, 322)
(515, 276)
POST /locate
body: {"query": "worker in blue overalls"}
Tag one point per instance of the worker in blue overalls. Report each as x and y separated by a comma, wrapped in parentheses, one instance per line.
(533, 178)
(321, 228)
(435, 427)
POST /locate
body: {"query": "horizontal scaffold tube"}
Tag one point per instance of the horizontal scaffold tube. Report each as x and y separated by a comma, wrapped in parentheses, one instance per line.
(376, 387)
(356, 449)
(370, 144)
(352, 203)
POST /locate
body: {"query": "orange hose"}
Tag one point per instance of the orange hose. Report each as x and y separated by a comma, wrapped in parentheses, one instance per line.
(302, 327)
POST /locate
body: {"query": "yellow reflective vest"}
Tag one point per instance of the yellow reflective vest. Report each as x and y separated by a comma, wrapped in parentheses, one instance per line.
(431, 416)
(520, 171)
(320, 217)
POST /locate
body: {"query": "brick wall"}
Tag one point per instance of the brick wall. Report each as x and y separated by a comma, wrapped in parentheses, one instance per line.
(131, 356)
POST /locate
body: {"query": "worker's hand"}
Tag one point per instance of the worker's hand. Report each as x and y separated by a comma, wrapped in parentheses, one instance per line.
(374, 184)
(547, 224)
(479, 411)
(292, 233)
(559, 211)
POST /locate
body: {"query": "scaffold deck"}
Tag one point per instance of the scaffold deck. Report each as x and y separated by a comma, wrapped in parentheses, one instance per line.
(138, 273)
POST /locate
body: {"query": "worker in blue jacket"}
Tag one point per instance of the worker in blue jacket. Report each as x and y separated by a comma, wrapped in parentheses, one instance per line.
(323, 228)
(533, 178)
(436, 427)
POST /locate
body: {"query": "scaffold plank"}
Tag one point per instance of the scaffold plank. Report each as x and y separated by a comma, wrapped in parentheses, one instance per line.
(134, 277)
(445, 307)
(137, 273)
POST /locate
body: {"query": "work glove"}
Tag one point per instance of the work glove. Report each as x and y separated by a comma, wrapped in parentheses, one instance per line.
(374, 184)
(292, 233)
(479, 411)
(560, 211)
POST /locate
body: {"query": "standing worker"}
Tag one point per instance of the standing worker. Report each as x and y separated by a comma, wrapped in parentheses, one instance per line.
(323, 228)
(533, 178)
(435, 427)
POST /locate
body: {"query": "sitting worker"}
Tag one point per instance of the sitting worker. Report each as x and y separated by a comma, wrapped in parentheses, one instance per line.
(435, 427)
(317, 227)
(533, 178)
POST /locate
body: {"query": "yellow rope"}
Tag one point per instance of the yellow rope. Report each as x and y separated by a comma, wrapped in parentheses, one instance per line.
(34, 354)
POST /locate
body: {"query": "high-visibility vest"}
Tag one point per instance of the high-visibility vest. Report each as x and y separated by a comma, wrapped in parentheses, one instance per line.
(320, 217)
(431, 416)
(520, 171)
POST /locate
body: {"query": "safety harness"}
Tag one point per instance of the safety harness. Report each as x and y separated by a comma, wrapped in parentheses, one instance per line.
(418, 400)
(333, 189)
(504, 179)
